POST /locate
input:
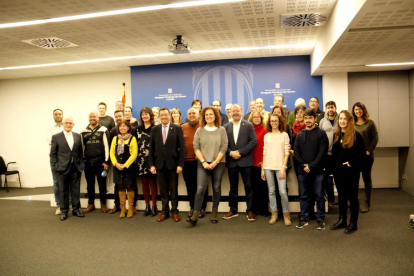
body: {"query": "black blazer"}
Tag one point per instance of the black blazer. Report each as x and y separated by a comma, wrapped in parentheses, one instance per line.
(246, 142)
(61, 155)
(224, 119)
(172, 153)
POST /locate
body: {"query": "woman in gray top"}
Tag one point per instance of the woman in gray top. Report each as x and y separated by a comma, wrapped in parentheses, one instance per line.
(367, 128)
(210, 146)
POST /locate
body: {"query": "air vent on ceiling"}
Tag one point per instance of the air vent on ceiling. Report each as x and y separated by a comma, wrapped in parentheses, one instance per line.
(304, 20)
(50, 43)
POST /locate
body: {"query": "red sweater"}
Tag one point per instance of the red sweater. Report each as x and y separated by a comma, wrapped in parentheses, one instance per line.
(189, 132)
(257, 152)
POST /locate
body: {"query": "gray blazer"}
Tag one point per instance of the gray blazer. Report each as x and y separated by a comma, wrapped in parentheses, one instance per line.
(246, 142)
(61, 155)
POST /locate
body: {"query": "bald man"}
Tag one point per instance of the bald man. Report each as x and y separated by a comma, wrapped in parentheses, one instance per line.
(66, 158)
(95, 143)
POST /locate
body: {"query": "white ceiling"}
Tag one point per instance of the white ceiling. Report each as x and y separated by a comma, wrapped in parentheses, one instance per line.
(217, 26)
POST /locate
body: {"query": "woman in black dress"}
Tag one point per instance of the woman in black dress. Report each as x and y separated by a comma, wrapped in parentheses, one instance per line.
(348, 153)
(124, 151)
(147, 178)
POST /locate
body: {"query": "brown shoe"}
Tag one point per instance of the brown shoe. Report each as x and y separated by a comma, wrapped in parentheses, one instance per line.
(104, 209)
(230, 215)
(176, 218)
(90, 208)
(162, 218)
(250, 216)
(115, 209)
(365, 208)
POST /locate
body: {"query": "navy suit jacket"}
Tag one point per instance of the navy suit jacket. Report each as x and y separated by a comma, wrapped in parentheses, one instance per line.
(61, 155)
(172, 153)
(246, 142)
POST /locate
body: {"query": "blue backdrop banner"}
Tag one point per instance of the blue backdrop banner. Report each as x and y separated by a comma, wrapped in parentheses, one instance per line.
(230, 81)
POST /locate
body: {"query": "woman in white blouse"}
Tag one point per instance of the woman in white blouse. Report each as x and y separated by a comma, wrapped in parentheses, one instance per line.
(275, 158)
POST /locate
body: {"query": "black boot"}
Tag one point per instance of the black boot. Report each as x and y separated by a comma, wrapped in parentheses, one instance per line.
(147, 211)
(154, 211)
(351, 228)
(341, 223)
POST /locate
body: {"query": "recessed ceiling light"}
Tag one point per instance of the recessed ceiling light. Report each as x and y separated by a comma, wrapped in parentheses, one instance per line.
(391, 64)
(159, 55)
(116, 12)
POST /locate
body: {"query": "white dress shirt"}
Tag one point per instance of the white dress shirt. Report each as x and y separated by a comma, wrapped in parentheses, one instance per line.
(52, 130)
(69, 138)
(236, 129)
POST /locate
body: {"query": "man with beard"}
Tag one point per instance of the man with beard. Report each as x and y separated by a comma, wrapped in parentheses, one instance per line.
(329, 124)
(311, 147)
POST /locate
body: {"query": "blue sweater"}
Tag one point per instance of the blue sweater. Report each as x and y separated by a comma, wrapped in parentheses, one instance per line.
(310, 148)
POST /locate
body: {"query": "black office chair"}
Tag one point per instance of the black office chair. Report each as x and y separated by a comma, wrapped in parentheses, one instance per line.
(3, 170)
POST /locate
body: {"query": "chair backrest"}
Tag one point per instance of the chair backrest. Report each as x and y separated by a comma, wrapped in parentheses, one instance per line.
(3, 167)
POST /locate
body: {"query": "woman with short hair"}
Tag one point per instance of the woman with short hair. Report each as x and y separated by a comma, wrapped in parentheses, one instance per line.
(260, 190)
(124, 151)
(148, 179)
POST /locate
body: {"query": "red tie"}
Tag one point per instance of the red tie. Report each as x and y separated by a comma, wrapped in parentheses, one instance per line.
(164, 134)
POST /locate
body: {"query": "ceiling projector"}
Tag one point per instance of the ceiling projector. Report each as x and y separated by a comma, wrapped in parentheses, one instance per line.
(178, 46)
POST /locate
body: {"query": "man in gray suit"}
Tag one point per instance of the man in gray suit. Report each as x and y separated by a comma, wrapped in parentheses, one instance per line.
(242, 140)
(66, 157)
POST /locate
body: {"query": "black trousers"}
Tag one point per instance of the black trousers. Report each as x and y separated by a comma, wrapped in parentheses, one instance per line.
(347, 184)
(93, 170)
(168, 185)
(260, 192)
(246, 174)
(190, 178)
(69, 183)
(328, 179)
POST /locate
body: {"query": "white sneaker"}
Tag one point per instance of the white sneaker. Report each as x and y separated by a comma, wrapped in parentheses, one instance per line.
(58, 211)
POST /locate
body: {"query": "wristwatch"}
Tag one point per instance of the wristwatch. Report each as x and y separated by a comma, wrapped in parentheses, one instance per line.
(202, 161)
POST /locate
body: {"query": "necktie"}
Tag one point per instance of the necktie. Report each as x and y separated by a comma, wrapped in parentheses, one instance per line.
(164, 134)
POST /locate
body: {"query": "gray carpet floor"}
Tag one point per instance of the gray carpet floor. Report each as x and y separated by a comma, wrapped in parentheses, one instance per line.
(33, 241)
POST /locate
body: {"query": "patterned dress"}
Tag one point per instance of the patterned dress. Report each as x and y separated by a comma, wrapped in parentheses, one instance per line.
(143, 150)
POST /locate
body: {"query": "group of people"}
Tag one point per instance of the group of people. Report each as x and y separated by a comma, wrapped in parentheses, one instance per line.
(327, 148)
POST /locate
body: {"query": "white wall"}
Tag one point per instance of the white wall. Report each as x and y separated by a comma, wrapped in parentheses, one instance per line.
(408, 163)
(26, 107)
(335, 88)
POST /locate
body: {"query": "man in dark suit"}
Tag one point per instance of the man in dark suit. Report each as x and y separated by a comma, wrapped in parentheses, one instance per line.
(66, 157)
(279, 100)
(166, 159)
(242, 140)
(217, 105)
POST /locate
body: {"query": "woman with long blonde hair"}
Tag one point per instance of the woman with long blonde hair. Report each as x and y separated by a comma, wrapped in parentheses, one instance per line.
(348, 153)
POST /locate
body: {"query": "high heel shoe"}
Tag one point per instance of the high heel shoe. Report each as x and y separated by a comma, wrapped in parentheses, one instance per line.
(147, 211)
(154, 211)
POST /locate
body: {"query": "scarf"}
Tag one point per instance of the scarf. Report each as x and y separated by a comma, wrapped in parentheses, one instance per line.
(297, 127)
(120, 149)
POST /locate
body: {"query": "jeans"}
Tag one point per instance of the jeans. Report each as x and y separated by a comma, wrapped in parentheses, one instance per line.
(271, 177)
(246, 174)
(306, 181)
(190, 178)
(203, 176)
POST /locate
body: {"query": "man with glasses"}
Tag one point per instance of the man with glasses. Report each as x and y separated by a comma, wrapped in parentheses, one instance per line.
(217, 105)
(66, 156)
(314, 104)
